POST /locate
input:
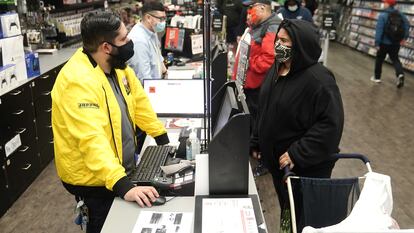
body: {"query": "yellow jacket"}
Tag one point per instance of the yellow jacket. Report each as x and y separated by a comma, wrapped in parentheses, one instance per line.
(86, 122)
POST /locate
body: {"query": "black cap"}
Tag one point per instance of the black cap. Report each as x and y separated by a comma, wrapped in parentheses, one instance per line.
(251, 2)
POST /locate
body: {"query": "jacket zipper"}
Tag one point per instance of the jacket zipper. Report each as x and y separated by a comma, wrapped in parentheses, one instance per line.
(112, 128)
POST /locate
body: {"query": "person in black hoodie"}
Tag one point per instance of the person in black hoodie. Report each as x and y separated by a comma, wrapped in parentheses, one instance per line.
(233, 9)
(300, 117)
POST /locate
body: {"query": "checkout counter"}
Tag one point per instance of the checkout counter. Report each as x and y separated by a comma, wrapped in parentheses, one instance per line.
(123, 215)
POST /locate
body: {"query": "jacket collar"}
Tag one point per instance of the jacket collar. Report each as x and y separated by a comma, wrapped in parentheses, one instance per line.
(93, 62)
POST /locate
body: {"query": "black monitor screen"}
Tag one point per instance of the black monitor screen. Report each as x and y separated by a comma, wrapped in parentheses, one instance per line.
(174, 39)
(218, 68)
(228, 108)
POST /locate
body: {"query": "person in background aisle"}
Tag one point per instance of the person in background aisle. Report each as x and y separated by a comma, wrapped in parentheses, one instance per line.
(147, 61)
(293, 9)
(96, 103)
(300, 117)
(233, 10)
(255, 54)
(243, 23)
(127, 18)
(311, 5)
(391, 31)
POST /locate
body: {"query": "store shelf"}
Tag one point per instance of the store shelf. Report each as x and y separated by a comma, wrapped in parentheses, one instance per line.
(365, 17)
(370, 45)
(371, 18)
(371, 27)
(363, 34)
(382, 10)
(78, 6)
(358, 25)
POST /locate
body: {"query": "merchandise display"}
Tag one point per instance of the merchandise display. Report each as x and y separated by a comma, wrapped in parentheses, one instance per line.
(357, 28)
(10, 25)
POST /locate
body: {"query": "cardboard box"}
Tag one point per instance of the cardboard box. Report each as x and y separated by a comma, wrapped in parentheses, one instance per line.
(32, 64)
(10, 25)
(8, 78)
(12, 52)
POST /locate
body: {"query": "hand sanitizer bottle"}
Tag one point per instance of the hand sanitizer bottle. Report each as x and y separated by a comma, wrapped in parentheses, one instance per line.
(192, 145)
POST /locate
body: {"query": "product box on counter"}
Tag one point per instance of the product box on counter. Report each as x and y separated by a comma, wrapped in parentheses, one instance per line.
(32, 64)
(8, 79)
(10, 25)
(12, 52)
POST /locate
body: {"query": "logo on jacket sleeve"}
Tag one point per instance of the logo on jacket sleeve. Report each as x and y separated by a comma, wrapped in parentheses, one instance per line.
(126, 85)
(88, 105)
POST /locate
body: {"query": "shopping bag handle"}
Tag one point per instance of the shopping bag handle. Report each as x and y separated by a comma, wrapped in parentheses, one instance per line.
(363, 158)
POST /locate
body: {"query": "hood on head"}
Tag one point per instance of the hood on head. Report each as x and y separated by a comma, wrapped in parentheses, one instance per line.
(305, 43)
(298, 2)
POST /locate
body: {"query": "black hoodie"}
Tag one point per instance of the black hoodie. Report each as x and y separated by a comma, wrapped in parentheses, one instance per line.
(302, 112)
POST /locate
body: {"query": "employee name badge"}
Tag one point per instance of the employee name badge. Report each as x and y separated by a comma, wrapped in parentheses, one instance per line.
(126, 85)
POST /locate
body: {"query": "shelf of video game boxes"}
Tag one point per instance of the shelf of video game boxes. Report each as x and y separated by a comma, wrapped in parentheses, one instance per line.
(67, 16)
(360, 29)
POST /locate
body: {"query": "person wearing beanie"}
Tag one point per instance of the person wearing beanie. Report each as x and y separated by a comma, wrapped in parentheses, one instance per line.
(293, 9)
(391, 32)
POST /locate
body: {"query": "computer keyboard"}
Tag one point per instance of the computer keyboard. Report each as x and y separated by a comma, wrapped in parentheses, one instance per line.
(151, 160)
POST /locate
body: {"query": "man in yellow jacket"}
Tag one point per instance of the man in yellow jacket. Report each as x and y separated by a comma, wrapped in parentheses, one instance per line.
(97, 102)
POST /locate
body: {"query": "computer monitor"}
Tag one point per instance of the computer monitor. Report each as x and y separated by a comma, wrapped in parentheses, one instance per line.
(218, 68)
(217, 100)
(228, 108)
(229, 149)
(176, 97)
(174, 39)
(180, 42)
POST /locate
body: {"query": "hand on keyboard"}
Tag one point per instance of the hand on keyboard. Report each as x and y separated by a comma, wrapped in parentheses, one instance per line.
(143, 195)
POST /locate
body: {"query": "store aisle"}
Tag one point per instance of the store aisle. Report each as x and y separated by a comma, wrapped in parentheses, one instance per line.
(379, 122)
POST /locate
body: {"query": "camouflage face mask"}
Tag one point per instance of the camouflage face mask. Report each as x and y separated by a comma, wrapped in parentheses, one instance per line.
(282, 52)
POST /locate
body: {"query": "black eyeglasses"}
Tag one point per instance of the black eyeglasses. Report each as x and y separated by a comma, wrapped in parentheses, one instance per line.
(160, 18)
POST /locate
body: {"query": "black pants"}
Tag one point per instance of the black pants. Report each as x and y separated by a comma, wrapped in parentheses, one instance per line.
(98, 209)
(252, 101)
(392, 51)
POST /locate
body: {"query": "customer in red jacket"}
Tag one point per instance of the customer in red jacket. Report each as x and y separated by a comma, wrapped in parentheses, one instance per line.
(255, 53)
(260, 38)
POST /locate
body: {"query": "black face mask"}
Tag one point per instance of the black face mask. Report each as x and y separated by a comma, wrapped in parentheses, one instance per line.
(125, 52)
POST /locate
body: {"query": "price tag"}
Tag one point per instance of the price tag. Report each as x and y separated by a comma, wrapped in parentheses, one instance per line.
(197, 44)
(12, 145)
